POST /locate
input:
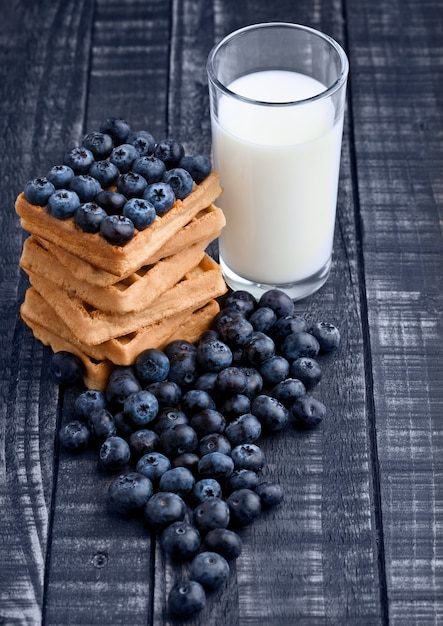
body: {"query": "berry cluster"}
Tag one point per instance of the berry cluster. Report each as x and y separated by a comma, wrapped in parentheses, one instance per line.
(118, 181)
(181, 429)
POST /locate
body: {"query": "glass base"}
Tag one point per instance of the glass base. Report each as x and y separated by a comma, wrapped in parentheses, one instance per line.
(297, 290)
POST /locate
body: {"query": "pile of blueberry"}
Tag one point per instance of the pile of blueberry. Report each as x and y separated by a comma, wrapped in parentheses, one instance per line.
(180, 428)
(118, 181)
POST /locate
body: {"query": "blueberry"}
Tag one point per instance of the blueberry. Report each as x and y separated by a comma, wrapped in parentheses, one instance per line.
(271, 413)
(296, 345)
(308, 411)
(213, 356)
(180, 540)
(151, 168)
(60, 176)
(183, 370)
(79, 159)
(124, 427)
(198, 165)
(307, 370)
(63, 203)
(167, 393)
(151, 366)
(244, 507)
(164, 508)
(181, 182)
(140, 212)
(215, 465)
(102, 424)
(170, 152)
(88, 401)
(278, 301)
(178, 439)
(241, 300)
(117, 127)
(161, 196)
(131, 184)
(74, 436)
(129, 492)
(178, 346)
(237, 333)
(242, 479)
(208, 421)
(226, 316)
(141, 407)
(114, 453)
(255, 382)
(100, 144)
(177, 480)
(210, 569)
(206, 382)
(287, 325)
(225, 542)
(245, 429)
(270, 494)
(206, 488)
(120, 386)
(187, 459)
(248, 456)
(65, 368)
(236, 405)
(196, 400)
(142, 141)
(85, 186)
(111, 201)
(118, 230)
(231, 380)
(153, 465)
(288, 390)
(274, 370)
(143, 442)
(123, 156)
(186, 598)
(263, 319)
(214, 442)
(211, 513)
(89, 216)
(168, 417)
(105, 172)
(327, 335)
(260, 348)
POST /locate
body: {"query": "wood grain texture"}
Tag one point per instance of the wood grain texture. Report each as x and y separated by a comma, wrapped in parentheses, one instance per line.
(397, 105)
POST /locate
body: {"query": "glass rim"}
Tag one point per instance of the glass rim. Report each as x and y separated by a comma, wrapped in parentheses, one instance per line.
(336, 85)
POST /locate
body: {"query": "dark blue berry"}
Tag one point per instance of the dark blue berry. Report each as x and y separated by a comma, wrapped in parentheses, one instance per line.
(65, 368)
(248, 456)
(225, 542)
(244, 429)
(206, 488)
(111, 201)
(177, 480)
(327, 335)
(123, 156)
(196, 400)
(180, 540)
(114, 453)
(308, 411)
(181, 182)
(255, 382)
(141, 407)
(296, 345)
(131, 184)
(288, 390)
(215, 465)
(211, 513)
(241, 300)
(129, 492)
(85, 186)
(88, 401)
(274, 370)
(167, 393)
(213, 355)
(198, 165)
(186, 598)
(214, 442)
(307, 370)
(105, 172)
(208, 421)
(63, 203)
(224, 317)
(143, 442)
(161, 196)
(242, 479)
(210, 569)
(272, 414)
(270, 494)
(231, 380)
(235, 405)
(168, 417)
(79, 159)
(117, 127)
(287, 325)
(151, 366)
(117, 229)
(153, 465)
(187, 459)
(123, 425)
(151, 168)
(164, 508)
(278, 301)
(170, 152)
(260, 348)
(244, 507)
(89, 216)
(183, 370)
(237, 333)
(121, 384)
(60, 176)
(178, 439)
(263, 319)
(178, 346)
(140, 212)
(102, 424)
(142, 141)
(206, 382)
(100, 144)
(74, 436)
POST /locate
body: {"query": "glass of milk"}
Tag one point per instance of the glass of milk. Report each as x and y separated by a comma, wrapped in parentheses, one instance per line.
(277, 94)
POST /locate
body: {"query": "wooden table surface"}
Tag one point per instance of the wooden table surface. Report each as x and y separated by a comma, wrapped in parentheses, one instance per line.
(358, 539)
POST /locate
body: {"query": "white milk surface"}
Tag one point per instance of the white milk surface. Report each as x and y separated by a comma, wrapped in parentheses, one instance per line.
(279, 169)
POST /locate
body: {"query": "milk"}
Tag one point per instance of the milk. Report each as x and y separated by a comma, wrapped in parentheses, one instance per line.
(279, 169)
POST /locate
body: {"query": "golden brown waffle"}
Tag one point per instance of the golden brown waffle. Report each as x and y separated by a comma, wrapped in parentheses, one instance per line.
(118, 260)
(93, 326)
(206, 225)
(51, 330)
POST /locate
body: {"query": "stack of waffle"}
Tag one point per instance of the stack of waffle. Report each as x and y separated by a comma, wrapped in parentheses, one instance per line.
(107, 303)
